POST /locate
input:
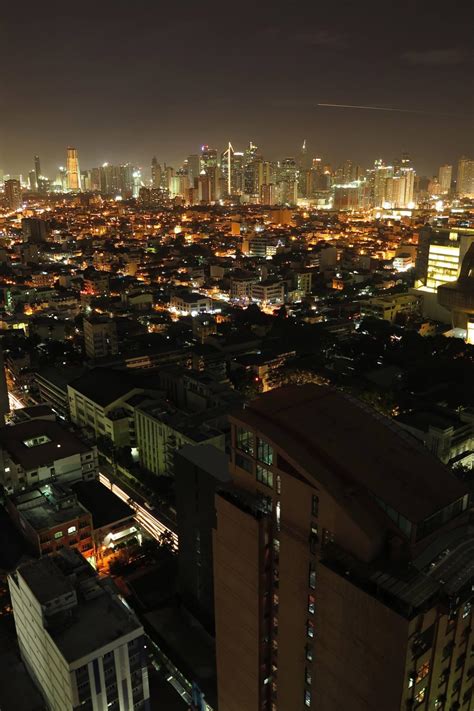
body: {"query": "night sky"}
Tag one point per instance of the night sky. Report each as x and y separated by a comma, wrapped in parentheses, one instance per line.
(123, 81)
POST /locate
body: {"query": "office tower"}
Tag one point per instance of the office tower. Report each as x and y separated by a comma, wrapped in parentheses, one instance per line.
(61, 178)
(73, 172)
(288, 181)
(305, 162)
(4, 399)
(155, 174)
(252, 163)
(335, 587)
(100, 337)
(13, 193)
(34, 230)
(380, 175)
(445, 175)
(37, 169)
(347, 172)
(32, 180)
(465, 178)
(83, 647)
(440, 254)
(194, 168)
(208, 158)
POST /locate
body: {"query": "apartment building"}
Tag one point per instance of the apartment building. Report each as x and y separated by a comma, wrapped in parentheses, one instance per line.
(81, 644)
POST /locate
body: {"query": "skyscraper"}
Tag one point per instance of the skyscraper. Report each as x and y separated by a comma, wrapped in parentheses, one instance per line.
(73, 173)
(336, 587)
(81, 644)
(155, 173)
(13, 193)
(465, 178)
(37, 169)
(194, 168)
(445, 175)
(227, 165)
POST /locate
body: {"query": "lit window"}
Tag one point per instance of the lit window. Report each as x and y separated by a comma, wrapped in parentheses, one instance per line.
(264, 476)
(311, 604)
(466, 610)
(72, 529)
(307, 697)
(309, 653)
(264, 452)
(423, 671)
(310, 629)
(307, 676)
(420, 695)
(244, 440)
(58, 534)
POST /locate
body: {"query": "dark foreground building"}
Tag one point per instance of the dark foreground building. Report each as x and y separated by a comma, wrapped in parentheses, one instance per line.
(343, 564)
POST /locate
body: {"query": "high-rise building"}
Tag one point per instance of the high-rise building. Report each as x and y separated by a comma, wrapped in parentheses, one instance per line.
(73, 172)
(381, 173)
(155, 173)
(227, 167)
(4, 399)
(83, 647)
(194, 168)
(465, 177)
(13, 193)
(445, 176)
(37, 169)
(336, 586)
(34, 229)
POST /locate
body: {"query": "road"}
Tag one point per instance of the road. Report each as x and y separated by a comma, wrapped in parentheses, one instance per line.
(145, 518)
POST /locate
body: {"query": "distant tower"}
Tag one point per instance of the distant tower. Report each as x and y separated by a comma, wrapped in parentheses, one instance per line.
(37, 169)
(445, 175)
(227, 161)
(155, 173)
(73, 173)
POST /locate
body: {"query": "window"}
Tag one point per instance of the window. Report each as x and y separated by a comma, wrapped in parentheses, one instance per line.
(278, 484)
(58, 534)
(244, 463)
(310, 629)
(423, 671)
(244, 440)
(264, 476)
(466, 611)
(312, 576)
(72, 529)
(315, 505)
(309, 652)
(420, 695)
(264, 452)
(307, 676)
(307, 697)
(311, 604)
(313, 539)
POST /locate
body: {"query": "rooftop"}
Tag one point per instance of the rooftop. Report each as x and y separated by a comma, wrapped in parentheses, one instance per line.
(48, 506)
(103, 386)
(58, 443)
(106, 508)
(353, 449)
(98, 618)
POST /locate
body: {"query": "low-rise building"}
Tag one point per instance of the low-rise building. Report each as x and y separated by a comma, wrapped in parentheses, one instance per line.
(50, 517)
(100, 337)
(269, 291)
(388, 307)
(40, 450)
(190, 302)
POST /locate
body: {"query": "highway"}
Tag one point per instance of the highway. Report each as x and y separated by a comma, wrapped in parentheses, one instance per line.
(142, 516)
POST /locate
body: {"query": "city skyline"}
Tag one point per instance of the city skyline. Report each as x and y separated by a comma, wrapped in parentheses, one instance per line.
(183, 79)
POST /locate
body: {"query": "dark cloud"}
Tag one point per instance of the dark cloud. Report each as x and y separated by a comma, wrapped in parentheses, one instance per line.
(437, 57)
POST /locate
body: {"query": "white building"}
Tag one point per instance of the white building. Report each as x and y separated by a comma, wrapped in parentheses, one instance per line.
(83, 647)
(40, 450)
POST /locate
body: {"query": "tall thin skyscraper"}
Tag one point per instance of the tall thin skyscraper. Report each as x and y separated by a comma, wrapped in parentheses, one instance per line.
(445, 175)
(155, 173)
(37, 169)
(72, 167)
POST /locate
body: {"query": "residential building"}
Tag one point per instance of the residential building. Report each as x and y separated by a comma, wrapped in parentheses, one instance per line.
(50, 517)
(190, 302)
(13, 193)
(73, 172)
(101, 401)
(199, 472)
(445, 176)
(269, 291)
(465, 177)
(41, 450)
(52, 386)
(100, 337)
(449, 435)
(241, 286)
(161, 431)
(81, 644)
(343, 588)
(388, 307)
